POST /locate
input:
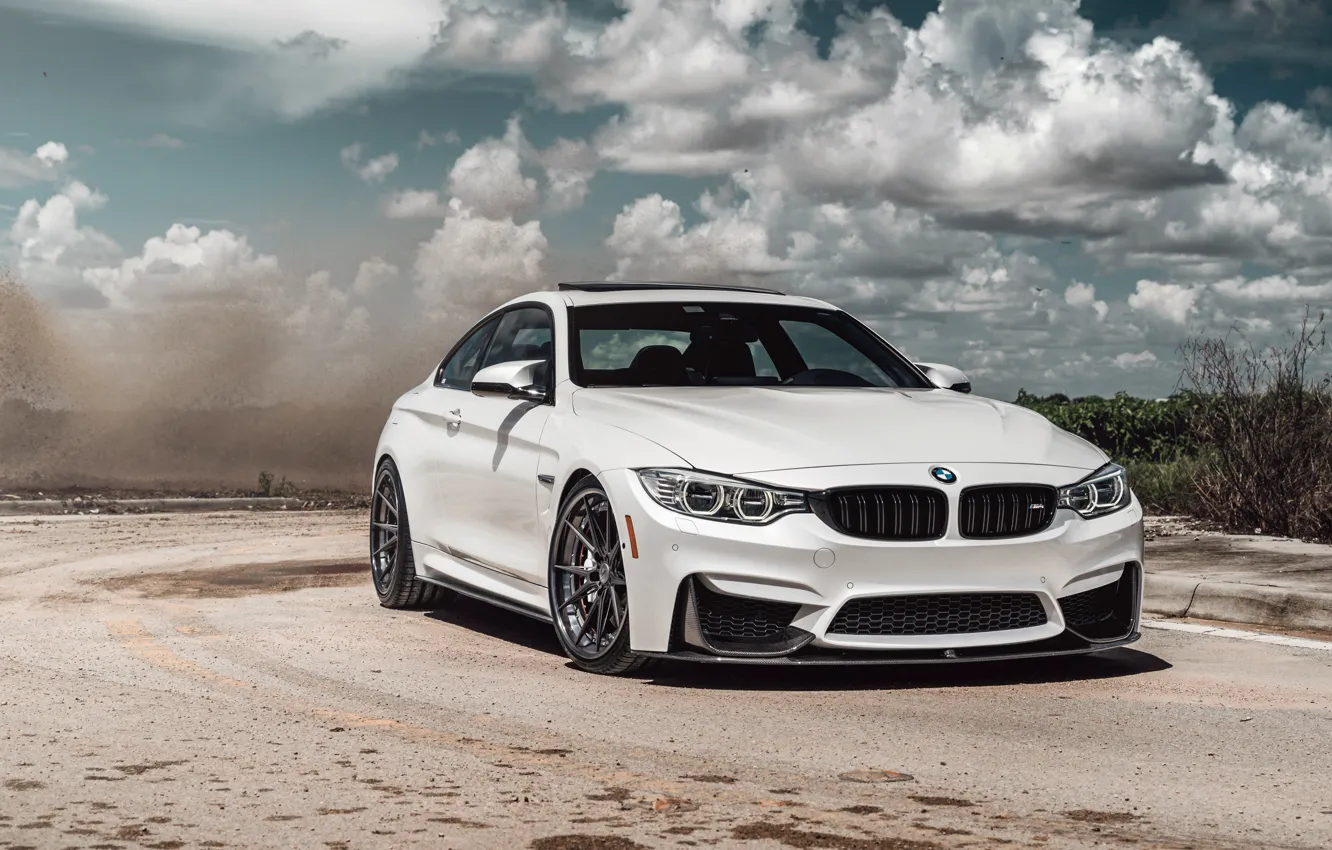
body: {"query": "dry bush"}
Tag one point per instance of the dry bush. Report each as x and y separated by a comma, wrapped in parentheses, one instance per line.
(1264, 428)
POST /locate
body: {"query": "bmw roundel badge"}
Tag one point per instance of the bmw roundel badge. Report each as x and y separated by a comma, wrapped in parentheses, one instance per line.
(944, 475)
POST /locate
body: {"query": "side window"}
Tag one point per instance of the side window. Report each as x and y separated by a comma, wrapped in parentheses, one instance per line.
(523, 334)
(457, 371)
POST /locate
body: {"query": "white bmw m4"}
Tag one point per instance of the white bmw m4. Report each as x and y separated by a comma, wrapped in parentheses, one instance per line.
(736, 475)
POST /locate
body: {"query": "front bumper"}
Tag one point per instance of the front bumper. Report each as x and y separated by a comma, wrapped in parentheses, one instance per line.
(708, 590)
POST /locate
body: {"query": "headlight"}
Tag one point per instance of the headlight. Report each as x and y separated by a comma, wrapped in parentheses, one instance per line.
(1103, 492)
(699, 494)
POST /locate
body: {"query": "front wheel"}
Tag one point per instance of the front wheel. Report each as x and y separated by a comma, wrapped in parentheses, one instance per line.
(589, 598)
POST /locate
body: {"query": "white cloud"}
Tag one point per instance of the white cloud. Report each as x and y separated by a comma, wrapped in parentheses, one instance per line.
(1276, 207)
(290, 58)
(185, 263)
(990, 283)
(488, 178)
(51, 154)
(51, 243)
(326, 316)
(378, 168)
(481, 255)
(373, 171)
(1084, 295)
(1013, 113)
(1134, 361)
(569, 165)
(374, 276)
(879, 257)
(350, 155)
(1273, 289)
(428, 140)
(1172, 302)
(413, 203)
(473, 263)
(651, 241)
(162, 140)
(494, 36)
(18, 169)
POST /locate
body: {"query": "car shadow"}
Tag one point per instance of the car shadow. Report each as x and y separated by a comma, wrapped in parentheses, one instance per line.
(486, 619)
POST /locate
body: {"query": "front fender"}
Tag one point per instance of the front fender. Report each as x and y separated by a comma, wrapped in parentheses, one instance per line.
(572, 446)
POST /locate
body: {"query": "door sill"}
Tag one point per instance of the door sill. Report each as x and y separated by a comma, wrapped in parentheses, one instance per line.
(476, 580)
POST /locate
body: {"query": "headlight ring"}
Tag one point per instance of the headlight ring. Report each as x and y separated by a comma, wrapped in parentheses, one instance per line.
(1103, 492)
(708, 496)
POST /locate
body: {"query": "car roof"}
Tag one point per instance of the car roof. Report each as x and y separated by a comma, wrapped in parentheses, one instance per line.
(640, 292)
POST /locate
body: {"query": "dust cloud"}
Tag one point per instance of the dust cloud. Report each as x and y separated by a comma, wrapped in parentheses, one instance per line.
(203, 394)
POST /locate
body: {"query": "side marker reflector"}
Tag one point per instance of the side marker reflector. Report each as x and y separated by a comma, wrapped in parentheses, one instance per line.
(633, 541)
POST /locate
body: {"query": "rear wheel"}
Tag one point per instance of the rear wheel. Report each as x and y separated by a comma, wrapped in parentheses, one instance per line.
(391, 564)
(589, 599)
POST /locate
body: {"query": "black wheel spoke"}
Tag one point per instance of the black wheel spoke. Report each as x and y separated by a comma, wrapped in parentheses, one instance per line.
(583, 593)
(577, 569)
(590, 546)
(587, 620)
(392, 541)
(597, 536)
(603, 617)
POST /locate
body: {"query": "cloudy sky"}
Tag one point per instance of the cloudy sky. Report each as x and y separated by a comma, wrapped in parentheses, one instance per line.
(1048, 194)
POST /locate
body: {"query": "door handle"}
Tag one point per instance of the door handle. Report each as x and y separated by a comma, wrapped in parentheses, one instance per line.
(453, 417)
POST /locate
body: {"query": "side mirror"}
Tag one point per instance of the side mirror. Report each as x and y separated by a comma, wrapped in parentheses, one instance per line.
(946, 377)
(516, 379)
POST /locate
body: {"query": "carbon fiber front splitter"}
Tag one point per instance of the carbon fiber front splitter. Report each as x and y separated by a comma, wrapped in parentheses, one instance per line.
(815, 657)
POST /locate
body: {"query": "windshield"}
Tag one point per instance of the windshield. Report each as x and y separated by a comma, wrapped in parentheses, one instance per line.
(730, 344)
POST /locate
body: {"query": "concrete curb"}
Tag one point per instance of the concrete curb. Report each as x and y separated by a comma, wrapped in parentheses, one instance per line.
(1233, 602)
(48, 507)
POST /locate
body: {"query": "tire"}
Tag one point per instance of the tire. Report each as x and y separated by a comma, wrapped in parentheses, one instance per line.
(589, 604)
(392, 567)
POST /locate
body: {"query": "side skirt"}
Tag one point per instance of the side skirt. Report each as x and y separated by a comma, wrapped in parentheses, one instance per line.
(483, 596)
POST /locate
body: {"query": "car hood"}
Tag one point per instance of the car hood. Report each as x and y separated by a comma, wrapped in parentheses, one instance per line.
(740, 430)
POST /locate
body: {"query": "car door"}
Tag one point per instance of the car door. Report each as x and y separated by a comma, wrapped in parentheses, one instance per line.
(435, 407)
(488, 478)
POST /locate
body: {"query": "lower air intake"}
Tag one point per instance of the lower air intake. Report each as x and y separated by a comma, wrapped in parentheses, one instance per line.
(736, 618)
(1091, 606)
(1109, 612)
(938, 614)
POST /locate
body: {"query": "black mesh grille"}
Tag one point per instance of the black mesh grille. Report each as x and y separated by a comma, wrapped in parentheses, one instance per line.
(889, 513)
(939, 614)
(1091, 606)
(1005, 510)
(734, 617)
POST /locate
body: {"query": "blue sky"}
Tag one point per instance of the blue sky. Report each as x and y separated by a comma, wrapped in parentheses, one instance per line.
(1043, 204)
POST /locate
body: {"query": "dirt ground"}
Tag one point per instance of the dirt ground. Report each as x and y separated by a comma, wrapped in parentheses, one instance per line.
(228, 680)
